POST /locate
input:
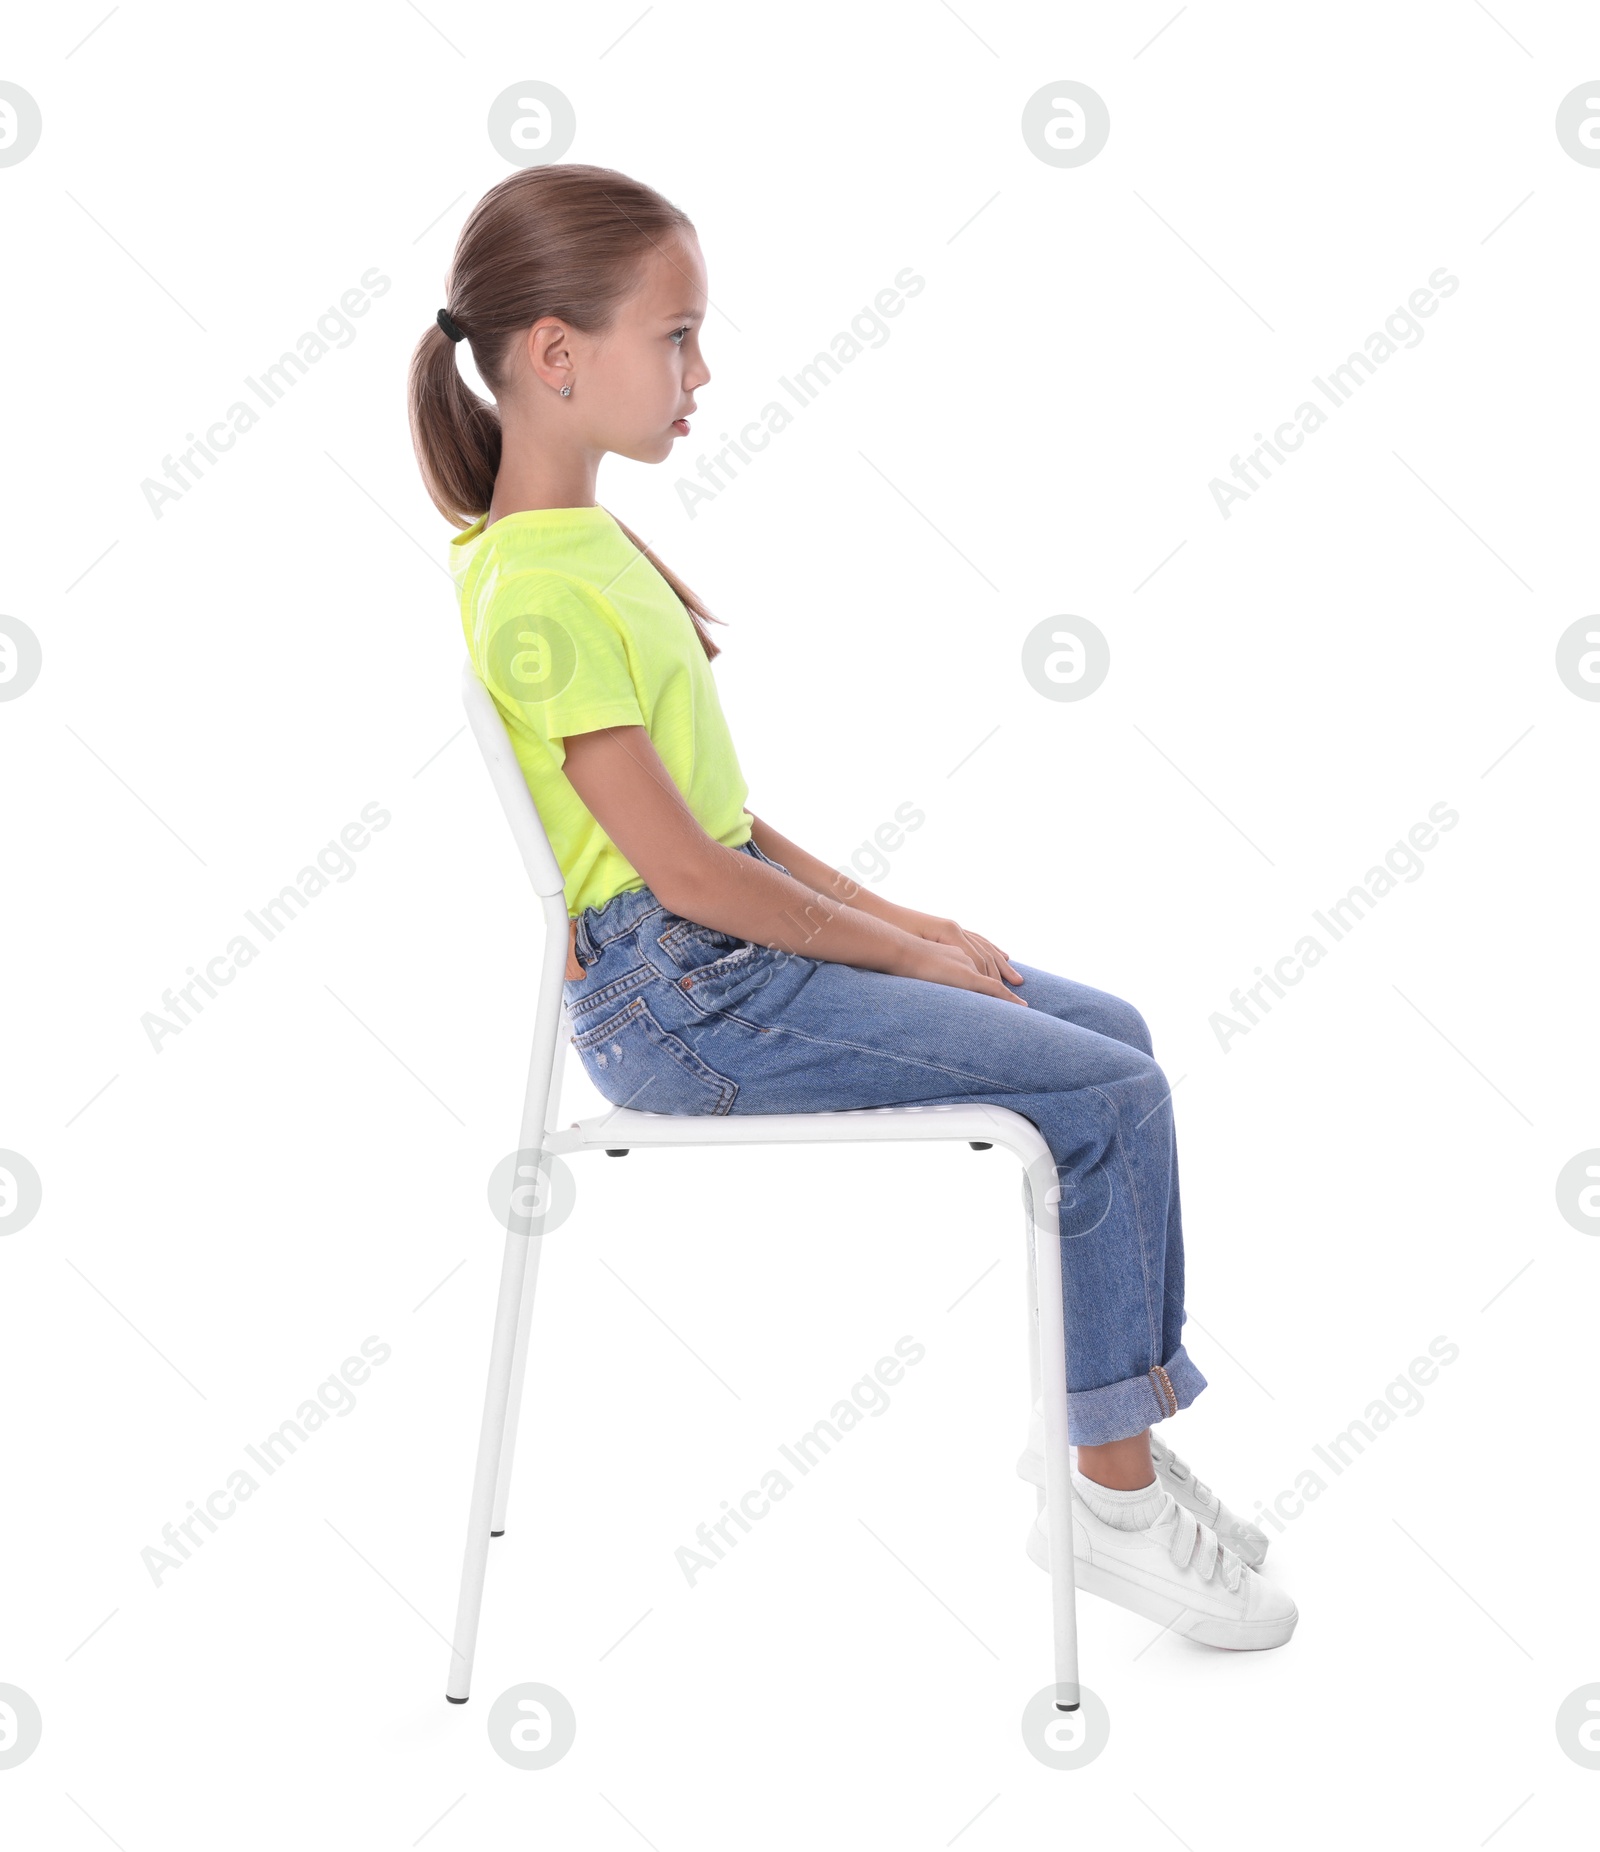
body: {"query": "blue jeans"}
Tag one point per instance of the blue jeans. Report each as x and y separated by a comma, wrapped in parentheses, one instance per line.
(674, 1017)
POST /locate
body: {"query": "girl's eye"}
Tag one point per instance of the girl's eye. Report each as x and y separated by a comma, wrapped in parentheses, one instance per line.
(678, 333)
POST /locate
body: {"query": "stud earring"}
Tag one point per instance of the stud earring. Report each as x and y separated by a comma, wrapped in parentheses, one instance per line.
(566, 392)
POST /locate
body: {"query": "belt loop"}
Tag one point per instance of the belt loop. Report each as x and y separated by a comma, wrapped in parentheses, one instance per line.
(582, 943)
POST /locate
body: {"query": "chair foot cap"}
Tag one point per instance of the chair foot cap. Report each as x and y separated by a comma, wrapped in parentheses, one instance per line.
(450, 1700)
(497, 1533)
(978, 1144)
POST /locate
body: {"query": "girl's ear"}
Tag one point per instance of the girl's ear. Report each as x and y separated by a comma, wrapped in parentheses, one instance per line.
(550, 353)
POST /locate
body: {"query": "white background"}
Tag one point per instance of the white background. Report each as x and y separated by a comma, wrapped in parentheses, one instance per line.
(1291, 689)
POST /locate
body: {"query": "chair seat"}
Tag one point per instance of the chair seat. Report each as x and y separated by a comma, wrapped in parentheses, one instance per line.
(624, 1127)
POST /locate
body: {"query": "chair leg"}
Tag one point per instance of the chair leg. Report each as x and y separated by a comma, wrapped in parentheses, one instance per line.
(539, 1105)
(1035, 1377)
(475, 1564)
(519, 1369)
(1045, 1230)
(519, 1363)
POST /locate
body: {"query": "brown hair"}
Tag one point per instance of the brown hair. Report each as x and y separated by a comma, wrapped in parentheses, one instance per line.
(563, 240)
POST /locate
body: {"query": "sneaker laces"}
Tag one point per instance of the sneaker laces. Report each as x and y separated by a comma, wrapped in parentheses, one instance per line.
(1197, 1545)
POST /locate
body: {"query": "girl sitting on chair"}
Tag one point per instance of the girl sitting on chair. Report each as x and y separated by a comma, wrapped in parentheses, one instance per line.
(715, 966)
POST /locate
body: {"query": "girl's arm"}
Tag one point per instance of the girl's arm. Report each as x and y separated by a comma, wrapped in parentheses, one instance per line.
(632, 796)
(831, 881)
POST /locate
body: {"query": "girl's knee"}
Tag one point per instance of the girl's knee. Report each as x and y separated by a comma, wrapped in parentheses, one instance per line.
(1142, 1075)
(1125, 1023)
(1151, 1074)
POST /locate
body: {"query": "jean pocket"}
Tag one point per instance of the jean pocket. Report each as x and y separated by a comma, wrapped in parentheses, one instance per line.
(735, 985)
(692, 947)
(634, 1062)
(745, 956)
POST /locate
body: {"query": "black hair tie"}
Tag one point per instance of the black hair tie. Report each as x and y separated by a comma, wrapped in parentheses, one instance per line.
(449, 326)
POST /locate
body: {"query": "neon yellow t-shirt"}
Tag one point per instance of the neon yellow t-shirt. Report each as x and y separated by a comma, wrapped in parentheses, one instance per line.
(571, 628)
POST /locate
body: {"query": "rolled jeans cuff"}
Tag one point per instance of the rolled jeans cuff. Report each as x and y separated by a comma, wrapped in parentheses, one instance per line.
(1120, 1410)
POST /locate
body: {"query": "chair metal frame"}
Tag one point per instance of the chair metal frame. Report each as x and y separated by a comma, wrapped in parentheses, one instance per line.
(979, 1122)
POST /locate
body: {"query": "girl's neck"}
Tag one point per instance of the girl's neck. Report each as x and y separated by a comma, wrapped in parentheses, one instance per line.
(536, 473)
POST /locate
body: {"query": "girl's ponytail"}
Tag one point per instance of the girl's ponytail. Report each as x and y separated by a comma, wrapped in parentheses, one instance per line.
(455, 434)
(563, 240)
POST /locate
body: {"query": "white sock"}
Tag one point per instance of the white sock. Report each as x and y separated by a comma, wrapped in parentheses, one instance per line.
(1135, 1510)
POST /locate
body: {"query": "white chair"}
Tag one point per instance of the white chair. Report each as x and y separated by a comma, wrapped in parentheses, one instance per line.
(623, 1129)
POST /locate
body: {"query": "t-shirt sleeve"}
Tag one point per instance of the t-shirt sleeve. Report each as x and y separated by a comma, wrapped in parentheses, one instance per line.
(555, 653)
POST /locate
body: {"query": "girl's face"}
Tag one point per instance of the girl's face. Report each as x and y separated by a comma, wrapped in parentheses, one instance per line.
(632, 385)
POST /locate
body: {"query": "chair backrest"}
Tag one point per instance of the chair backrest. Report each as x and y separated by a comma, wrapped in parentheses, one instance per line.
(552, 1023)
(527, 828)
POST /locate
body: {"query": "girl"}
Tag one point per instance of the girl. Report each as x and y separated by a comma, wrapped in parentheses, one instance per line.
(715, 966)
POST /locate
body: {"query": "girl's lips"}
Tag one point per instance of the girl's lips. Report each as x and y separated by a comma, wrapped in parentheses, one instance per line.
(681, 426)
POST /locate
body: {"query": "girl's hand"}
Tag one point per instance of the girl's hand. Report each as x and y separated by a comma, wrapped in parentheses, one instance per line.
(935, 962)
(984, 956)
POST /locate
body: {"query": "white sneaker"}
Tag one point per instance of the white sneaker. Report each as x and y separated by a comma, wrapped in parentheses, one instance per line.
(1177, 1477)
(1176, 1572)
